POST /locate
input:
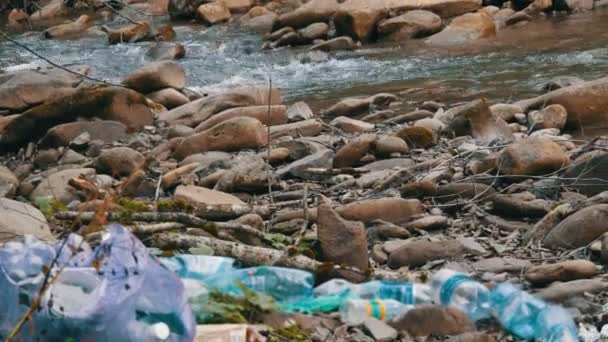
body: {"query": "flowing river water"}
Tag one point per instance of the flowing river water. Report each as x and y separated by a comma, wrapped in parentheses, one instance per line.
(512, 66)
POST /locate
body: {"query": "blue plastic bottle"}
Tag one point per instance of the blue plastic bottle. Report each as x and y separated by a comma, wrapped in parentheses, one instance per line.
(284, 284)
(556, 325)
(517, 311)
(404, 292)
(455, 289)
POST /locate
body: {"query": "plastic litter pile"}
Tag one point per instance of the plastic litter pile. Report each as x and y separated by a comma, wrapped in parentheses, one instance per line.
(119, 292)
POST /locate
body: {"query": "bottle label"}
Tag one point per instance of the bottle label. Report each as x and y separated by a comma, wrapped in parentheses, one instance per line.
(376, 309)
(448, 288)
(402, 293)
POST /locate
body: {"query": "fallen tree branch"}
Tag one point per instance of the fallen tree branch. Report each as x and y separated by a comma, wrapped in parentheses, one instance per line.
(165, 217)
(251, 255)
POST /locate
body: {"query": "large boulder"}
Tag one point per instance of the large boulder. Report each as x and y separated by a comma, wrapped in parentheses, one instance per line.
(532, 157)
(390, 209)
(231, 135)
(19, 219)
(586, 104)
(268, 115)
(109, 103)
(119, 161)
(342, 242)
(466, 28)
(103, 130)
(70, 29)
(56, 185)
(311, 12)
(412, 24)
(156, 76)
(27, 88)
(579, 229)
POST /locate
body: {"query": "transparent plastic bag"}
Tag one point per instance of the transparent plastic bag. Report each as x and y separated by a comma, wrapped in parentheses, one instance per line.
(116, 293)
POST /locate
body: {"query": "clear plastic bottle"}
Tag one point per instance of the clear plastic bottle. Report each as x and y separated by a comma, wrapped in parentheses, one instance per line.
(455, 289)
(403, 292)
(356, 311)
(284, 284)
(517, 311)
(198, 267)
(556, 325)
(157, 332)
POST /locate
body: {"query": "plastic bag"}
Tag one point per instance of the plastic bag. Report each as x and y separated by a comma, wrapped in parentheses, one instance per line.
(116, 293)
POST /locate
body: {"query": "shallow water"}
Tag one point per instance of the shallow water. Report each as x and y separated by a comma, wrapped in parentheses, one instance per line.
(512, 66)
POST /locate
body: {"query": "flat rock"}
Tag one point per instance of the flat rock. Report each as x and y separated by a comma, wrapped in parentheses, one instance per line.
(561, 271)
(56, 185)
(390, 209)
(388, 164)
(199, 196)
(379, 331)
(558, 292)
(322, 159)
(268, 115)
(411, 24)
(351, 125)
(306, 128)
(593, 168)
(299, 111)
(336, 44)
(500, 265)
(387, 145)
(103, 130)
(213, 13)
(466, 28)
(19, 219)
(418, 253)
(169, 98)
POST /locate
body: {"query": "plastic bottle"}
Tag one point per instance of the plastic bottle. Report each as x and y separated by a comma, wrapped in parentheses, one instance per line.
(284, 284)
(403, 292)
(517, 311)
(556, 325)
(458, 290)
(157, 332)
(198, 267)
(356, 311)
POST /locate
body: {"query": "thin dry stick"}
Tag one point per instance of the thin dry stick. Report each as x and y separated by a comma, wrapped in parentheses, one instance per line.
(269, 170)
(55, 64)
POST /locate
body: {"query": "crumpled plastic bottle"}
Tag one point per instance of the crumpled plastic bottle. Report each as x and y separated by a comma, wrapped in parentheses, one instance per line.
(285, 285)
(194, 269)
(455, 289)
(517, 310)
(556, 325)
(404, 292)
(115, 293)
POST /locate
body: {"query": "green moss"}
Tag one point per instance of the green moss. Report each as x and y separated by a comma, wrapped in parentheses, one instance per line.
(49, 207)
(174, 205)
(292, 332)
(133, 205)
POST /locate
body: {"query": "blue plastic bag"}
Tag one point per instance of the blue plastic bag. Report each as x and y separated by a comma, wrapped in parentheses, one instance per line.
(116, 293)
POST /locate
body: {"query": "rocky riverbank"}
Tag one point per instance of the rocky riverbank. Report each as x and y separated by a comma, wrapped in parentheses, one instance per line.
(391, 185)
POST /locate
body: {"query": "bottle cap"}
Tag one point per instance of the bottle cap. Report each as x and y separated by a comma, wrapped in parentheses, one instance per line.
(161, 331)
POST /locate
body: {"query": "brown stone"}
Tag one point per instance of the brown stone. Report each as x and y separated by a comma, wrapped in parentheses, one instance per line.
(213, 13)
(313, 31)
(164, 51)
(231, 135)
(390, 209)
(70, 29)
(268, 115)
(342, 242)
(434, 320)
(593, 168)
(387, 145)
(485, 127)
(417, 137)
(351, 125)
(306, 128)
(56, 185)
(553, 116)
(336, 44)
(199, 196)
(420, 189)
(418, 253)
(311, 12)
(412, 24)
(353, 106)
(464, 191)
(108, 103)
(156, 76)
(532, 156)
(561, 291)
(351, 153)
(561, 271)
(119, 161)
(169, 98)
(518, 206)
(131, 33)
(237, 6)
(9, 183)
(63, 135)
(466, 28)
(580, 228)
